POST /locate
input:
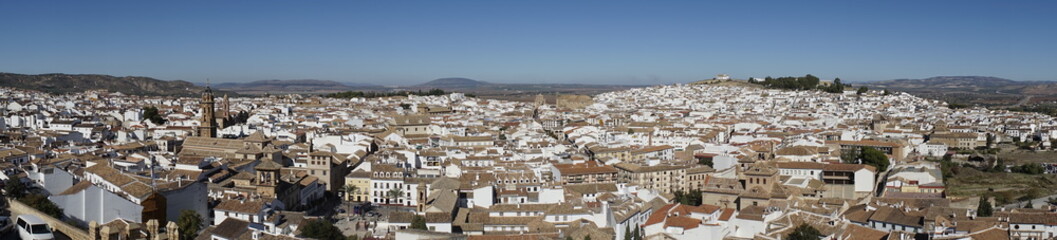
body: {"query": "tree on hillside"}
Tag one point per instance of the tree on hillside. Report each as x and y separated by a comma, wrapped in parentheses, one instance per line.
(985, 209)
(835, 87)
(804, 232)
(1029, 204)
(862, 90)
(1000, 166)
(190, 223)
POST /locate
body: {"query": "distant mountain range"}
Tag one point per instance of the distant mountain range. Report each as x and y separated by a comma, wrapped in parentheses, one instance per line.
(70, 83)
(489, 88)
(288, 86)
(453, 83)
(953, 82)
(973, 90)
(59, 83)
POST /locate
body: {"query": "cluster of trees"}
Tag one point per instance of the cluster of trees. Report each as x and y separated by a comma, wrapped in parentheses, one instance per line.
(836, 87)
(948, 167)
(1029, 168)
(867, 155)
(692, 197)
(361, 94)
(16, 189)
(632, 235)
(151, 113)
(806, 82)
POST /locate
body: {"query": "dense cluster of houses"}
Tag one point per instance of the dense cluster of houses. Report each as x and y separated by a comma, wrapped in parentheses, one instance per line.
(759, 162)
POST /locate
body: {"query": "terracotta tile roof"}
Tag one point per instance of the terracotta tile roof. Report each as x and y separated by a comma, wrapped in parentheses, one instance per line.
(682, 222)
(854, 231)
(251, 207)
(848, 167)
(578, 169)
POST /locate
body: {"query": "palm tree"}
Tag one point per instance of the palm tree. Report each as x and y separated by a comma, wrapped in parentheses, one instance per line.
(349, 191)
(394, 194)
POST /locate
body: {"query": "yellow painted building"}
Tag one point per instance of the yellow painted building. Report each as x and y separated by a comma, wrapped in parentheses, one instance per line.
(361, 180)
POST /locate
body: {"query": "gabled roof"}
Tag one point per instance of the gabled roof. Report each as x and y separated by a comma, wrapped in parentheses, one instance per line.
(268, 165)
(257, 137)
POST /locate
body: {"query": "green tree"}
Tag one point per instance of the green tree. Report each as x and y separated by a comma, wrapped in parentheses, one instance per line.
(1029, 204)
(985, 209)
(706, 161)
(627, 232)
(637, 233)
(151, 113)
(873, 157)
(190, 223)
(836, 87)
(804, 232)
(1000, 166)
(862, 90)
(419, 222)
(1030, 168)
(588, 237)
(320, 229)
(395, 194)
(14, 188)
(42, 204)
(350, 190)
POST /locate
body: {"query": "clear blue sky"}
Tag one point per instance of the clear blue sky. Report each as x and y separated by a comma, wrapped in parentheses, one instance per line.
(646, 42)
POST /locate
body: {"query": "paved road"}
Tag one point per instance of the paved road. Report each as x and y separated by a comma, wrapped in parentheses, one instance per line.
(14, 235)
(1025, 100)
(1038, 202)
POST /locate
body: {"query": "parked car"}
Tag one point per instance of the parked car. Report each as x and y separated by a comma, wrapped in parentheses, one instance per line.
(31, 227)
(5, 224)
